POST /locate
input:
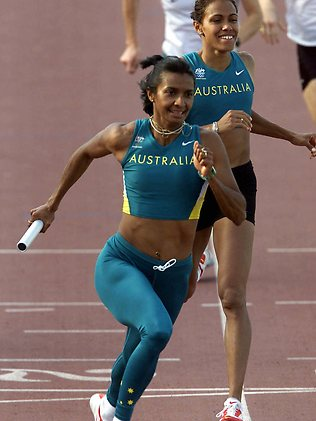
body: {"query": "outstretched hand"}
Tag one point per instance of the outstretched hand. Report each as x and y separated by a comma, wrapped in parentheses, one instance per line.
(306, 139)
(44, 213)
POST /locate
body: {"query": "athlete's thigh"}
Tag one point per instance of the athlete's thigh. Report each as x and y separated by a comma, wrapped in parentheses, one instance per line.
(172, 287)
(128, 294)
(233, 245)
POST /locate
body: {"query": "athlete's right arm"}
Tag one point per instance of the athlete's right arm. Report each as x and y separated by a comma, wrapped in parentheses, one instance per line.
(130, 55)
(232, 119)
(114, 139)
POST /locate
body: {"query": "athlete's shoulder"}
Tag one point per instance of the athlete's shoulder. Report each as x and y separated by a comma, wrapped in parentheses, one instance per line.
(248, 61)
(118, 135)
(122, 130)
(191, 57)
(247, 58)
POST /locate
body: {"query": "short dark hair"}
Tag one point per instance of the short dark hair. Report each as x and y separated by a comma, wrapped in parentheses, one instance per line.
(201, 5)
(151, 81)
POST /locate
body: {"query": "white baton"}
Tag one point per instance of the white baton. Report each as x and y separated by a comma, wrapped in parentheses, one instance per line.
(30, 234)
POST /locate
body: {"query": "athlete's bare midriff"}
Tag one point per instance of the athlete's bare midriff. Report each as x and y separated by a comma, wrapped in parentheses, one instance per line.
(158, 238)
(237, 144)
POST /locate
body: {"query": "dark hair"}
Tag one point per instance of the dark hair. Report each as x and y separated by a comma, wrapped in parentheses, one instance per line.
(200, 7)
(151, 81)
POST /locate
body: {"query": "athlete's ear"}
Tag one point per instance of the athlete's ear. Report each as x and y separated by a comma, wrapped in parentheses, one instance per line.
(198, 28)
(150, 96)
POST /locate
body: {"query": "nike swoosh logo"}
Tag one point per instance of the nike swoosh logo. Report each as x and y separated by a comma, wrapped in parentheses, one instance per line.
(239, 73)
(187, 143)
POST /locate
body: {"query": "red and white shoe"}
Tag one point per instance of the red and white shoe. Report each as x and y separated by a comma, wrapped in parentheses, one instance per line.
(207, 259)
(231, 411)
(95, 402)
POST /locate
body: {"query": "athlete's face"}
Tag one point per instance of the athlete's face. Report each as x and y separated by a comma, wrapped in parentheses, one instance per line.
(219, 27)
(173, 99)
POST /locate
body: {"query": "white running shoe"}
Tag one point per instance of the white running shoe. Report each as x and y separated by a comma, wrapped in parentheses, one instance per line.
(207, 259)
(231, 411)
(95, 402)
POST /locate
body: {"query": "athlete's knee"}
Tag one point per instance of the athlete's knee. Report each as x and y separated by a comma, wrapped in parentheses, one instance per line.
(233, 299)
(158, 337)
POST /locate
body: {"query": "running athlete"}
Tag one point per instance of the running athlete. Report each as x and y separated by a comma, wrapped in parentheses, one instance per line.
(301, 29)
(143, 271)
(223, 103)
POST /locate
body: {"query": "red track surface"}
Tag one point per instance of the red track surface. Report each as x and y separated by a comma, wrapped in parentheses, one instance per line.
(61, 82)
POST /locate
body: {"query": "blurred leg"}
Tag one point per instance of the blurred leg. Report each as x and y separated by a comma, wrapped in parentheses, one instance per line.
(309, 95)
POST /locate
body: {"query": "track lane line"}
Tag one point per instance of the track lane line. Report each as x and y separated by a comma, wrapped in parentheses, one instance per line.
(286, 250)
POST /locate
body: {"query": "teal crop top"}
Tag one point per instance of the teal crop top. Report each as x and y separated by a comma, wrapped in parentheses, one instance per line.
(218, 92)
(161, 182)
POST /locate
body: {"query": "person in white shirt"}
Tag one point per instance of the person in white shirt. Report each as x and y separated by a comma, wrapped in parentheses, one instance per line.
(179, 34)
(301, 29)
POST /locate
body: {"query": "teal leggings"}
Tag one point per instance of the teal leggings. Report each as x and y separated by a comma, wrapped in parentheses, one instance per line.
(146, 295)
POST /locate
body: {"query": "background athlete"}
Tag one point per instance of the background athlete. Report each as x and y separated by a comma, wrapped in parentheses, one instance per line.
(301, 29)
(223, 102)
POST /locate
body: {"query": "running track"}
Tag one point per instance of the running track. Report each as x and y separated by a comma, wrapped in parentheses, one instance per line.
(60, 83)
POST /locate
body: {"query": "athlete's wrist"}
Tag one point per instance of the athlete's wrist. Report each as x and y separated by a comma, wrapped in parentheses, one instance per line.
(215, 127)
(211, 174)
(52, 203)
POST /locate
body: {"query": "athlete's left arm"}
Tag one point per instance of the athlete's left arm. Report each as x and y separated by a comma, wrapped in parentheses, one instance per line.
(262, 126)
(221, 180)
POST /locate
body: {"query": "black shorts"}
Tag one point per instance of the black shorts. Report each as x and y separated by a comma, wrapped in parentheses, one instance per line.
(306, 63)
(247, 183)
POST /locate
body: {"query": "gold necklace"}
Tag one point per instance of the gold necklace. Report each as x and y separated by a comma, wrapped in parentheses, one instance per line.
(165, 132)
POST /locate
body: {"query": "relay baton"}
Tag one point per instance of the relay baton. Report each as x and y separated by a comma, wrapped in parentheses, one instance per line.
(30, 234)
